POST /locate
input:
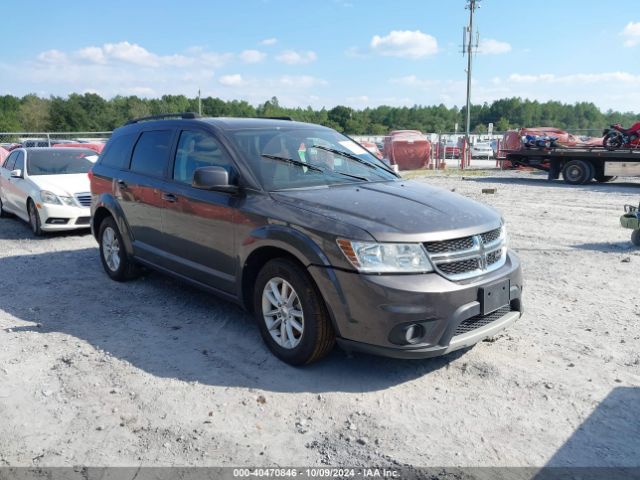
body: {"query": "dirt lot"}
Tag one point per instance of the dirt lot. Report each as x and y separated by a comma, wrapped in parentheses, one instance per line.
(154, 372)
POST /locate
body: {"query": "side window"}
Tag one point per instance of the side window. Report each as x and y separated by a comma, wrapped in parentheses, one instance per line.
(195, 150)
(11, 161)
(118, 152)
(151, 153)
(19, 162)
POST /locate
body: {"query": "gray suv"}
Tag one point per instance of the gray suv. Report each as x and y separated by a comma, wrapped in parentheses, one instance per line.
(307, 230)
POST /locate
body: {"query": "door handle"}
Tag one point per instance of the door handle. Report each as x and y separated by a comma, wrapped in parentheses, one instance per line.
(122, 184)
(169, 197)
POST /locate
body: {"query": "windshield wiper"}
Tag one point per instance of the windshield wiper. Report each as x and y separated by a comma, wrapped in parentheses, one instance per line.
(293, 162)
(312, 166)
(355, 158)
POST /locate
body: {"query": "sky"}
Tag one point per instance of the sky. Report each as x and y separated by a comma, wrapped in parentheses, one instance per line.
(323, 53)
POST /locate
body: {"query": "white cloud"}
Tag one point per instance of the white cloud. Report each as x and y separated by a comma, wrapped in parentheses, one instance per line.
(292, 57)
(234, 80)
(269, 41)
(576, 79)
(489, 46)
(631, 34)
(301, 81)
(252, 56)
(414, 81)
(405, 43)
(130, 53)
(92, 54)
(53, 57)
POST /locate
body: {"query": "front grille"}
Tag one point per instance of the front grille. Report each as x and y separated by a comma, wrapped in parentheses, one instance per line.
(457, 268)
(84, 199)
(450, 245)
(491, 236)
(466, 257)
(83, 220)
(478, 321)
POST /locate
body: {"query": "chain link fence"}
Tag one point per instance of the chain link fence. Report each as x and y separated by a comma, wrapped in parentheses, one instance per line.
(10, 140)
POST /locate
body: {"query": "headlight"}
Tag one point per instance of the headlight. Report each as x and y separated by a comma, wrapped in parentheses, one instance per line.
(371, 257)
(48, 197)
(67, 201)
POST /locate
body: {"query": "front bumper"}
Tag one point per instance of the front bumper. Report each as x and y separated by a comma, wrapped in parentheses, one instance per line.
(63, 217)
(370, 312)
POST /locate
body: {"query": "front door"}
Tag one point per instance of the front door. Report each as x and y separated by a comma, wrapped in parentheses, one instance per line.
(198, 224)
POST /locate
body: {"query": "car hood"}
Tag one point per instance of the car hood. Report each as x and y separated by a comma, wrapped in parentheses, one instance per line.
(68, 184)
(397, 211)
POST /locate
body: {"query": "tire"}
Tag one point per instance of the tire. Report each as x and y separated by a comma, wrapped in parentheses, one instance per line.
(310, 335)
(635, 238)
(34, 219)
(612, 141)
(577, 172)
(115, 260)
(2, 212)
(605, 178)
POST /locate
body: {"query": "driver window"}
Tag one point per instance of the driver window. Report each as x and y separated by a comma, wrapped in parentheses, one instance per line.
(20, 163)
(196, 150)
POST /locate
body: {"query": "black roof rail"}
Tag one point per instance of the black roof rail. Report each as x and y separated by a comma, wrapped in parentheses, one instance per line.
(185, 115)
(279, 118)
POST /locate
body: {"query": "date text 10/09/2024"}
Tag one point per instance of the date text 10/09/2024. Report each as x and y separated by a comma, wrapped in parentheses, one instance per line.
(316, 472)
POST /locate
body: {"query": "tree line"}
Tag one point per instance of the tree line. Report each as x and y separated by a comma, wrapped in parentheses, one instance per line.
(91, 112)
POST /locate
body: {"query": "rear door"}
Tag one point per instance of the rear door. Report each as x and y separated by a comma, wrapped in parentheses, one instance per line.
(198, 224)
(141, 189)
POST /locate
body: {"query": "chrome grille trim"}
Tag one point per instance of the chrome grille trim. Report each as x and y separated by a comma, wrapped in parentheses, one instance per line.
(83, 198)
(488, 249)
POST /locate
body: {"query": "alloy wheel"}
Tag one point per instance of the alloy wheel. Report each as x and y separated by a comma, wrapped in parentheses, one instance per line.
(111, 249)
(282, 313)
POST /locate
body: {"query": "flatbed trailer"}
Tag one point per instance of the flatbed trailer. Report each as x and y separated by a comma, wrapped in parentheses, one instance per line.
(578, 165)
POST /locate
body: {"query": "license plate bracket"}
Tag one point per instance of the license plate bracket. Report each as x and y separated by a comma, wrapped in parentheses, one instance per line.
(494, 296)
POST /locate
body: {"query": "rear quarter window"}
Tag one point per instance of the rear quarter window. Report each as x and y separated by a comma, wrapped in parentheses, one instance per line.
(118, 152)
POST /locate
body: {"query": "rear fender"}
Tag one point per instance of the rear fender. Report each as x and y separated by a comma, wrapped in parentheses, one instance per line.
(108, 202)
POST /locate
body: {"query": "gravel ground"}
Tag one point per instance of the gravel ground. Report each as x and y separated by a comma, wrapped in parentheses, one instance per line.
(93, 372)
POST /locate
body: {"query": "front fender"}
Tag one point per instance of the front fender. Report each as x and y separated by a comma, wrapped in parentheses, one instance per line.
(107, 202)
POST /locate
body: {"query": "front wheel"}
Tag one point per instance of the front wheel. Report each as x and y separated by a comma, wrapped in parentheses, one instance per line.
(34, 219)
(115, 260)
(612, 141)
(291, 315)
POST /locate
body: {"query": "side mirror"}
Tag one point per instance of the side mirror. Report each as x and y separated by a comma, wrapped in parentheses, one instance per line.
(213, 178)
(16, 173)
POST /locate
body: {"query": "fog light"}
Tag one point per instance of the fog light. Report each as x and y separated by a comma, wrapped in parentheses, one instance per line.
(413, 333)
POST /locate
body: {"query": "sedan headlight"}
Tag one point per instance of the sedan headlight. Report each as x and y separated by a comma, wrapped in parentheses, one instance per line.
(371, 257)
(49, 197)
(67, 201)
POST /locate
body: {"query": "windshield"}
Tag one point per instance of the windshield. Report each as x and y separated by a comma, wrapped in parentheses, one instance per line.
(279, 157)
(60, 162)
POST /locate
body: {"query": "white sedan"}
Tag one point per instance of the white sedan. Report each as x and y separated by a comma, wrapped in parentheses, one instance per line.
(482, 150)
(48, 187)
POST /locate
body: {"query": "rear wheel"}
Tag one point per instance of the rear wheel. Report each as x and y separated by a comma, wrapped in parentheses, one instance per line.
(577, 172)
(115, 260)
(34, 219)
(2, 212)
(612, 141)
(635, 238)
(291, 315)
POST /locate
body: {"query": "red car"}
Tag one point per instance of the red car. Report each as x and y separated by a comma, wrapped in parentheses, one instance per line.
(409, 149)
(96, 147)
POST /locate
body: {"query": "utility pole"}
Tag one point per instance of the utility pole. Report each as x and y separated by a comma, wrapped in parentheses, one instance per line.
(468, 49)
(199, 103)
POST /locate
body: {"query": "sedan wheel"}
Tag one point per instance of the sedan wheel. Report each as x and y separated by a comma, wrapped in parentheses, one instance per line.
(282, 313)
(34, 219)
